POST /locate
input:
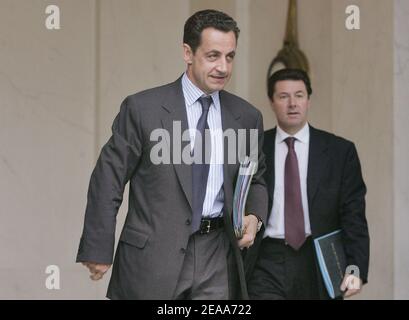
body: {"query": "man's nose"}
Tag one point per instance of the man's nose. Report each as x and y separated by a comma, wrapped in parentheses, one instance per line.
(292, 101)
(222, 65)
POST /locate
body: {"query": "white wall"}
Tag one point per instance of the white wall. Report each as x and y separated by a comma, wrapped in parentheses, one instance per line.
(47, 85)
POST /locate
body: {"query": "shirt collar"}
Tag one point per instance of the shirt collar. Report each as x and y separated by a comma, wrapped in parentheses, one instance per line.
(192, 93)
(302, 135)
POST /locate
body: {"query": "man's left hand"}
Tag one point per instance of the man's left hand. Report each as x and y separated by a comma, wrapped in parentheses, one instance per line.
(352, 284)
(250, 229)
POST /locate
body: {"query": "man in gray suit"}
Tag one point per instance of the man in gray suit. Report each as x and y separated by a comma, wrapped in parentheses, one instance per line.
(178, 240)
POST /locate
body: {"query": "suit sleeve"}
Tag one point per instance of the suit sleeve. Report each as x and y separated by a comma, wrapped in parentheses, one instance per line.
(353, 220)
(257, 199)
(118, 159)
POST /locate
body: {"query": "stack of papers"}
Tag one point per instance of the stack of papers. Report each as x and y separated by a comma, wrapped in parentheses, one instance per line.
(246, 172)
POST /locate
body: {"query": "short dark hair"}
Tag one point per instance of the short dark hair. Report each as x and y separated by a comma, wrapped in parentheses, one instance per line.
(207, 19)
(288, 74)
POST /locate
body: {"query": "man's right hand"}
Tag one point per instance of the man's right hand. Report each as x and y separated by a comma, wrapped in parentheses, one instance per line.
(97, 270)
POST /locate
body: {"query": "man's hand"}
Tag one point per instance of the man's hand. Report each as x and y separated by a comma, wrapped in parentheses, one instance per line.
(250, 229)
(352, 284)
(97, 270)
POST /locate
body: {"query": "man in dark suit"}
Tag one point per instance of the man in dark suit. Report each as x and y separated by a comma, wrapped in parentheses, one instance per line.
(315, 186)
(178, 240)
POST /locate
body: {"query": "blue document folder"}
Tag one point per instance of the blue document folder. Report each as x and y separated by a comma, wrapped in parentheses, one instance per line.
(332, 262)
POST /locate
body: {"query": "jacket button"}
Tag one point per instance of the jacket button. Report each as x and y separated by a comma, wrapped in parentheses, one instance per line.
(188, 222)
(182, 250)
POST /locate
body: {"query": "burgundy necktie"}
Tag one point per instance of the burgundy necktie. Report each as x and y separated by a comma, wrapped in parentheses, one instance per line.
(293, 211)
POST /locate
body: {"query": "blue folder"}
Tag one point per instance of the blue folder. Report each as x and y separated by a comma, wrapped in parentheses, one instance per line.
(332, 261)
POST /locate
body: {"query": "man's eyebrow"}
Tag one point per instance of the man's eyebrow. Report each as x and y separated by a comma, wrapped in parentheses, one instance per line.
(213, 51)
(285, 92)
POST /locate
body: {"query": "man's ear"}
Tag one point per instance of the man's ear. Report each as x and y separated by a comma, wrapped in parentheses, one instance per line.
(272, 105)
(187, 54)
(309, 103)
(272, 102)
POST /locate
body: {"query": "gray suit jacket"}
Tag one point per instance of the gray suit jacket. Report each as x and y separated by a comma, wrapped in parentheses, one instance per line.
(150, 251)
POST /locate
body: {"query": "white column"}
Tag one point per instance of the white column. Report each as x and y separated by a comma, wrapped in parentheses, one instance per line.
(401, 150)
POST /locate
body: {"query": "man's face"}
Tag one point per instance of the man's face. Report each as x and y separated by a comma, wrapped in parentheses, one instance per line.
(210, 67)
(290, 104)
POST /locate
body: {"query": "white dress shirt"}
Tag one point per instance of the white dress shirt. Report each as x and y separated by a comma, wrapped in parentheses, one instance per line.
(214, 199)
(275, 226)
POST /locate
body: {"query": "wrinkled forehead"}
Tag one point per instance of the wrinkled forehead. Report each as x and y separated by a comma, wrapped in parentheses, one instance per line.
(215, 40)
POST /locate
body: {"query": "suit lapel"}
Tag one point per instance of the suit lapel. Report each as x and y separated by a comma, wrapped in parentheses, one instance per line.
(269, 151)
(317, 163)
(174, 111)
(229, 121)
